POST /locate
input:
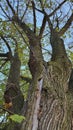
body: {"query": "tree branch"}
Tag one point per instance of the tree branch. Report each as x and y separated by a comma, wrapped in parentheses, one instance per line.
(17, 7)
(30, 34)
(3, 63)
(34, 16)
(42, 27)
(49, 22)
(10, 112)
(12, 9)
(21, 33)
(8, 55)
(4, 54)
(57, 8)
(46, 17)
(41, 4)
(6, 43)
(66, 26)
(47, 51)
(25, 10)
(4, 12)
(42, 11)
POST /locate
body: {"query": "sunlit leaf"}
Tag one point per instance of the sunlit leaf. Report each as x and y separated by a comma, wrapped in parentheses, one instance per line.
(17, 118)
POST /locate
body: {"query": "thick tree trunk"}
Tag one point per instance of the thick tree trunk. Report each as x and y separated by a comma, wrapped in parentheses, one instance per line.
(54, 111)
(56, 107)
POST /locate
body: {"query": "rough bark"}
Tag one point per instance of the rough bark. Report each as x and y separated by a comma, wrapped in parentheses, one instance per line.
(14, 99)
(34, 95)
(12, 86)
(55, 106)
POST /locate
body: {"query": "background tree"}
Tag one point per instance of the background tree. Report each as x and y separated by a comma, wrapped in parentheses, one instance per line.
(48, 104)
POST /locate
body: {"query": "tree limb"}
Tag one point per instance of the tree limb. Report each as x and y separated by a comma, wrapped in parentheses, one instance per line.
(17, 7)
(21, 33)
(4, 63)
(34, 16)
(4, 11)
(57, 8)
(25, 10)
(30, 34)
(10, 112)
(42, 27)
(4, 54)
(66, 26)
(41, 4)
(8, 55)
(6, 43)
(12, 9)
(49, 22)
(42, 11)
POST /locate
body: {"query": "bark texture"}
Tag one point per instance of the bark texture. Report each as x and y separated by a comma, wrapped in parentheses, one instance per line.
(55, 106)
(12, 93)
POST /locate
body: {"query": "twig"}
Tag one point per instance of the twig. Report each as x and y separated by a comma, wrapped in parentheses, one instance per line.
(3, 63)
(6, 43)
(25, 10)
(17, 7)
(1, 107)
(4, 11)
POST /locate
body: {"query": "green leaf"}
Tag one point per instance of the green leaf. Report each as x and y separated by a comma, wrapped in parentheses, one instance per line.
(17, 118)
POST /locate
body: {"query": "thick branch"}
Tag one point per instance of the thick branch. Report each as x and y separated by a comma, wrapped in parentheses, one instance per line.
(42, 27)
(8, 56)
(4, 54)
(66, 26)
(30, 34)
(34, 16)
(12, 9)
(49, 22)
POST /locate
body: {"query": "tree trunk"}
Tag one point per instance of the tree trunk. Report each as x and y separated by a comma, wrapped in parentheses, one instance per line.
(49, 99)
(14, 99)
(52, 106)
